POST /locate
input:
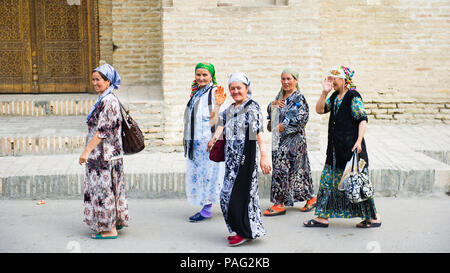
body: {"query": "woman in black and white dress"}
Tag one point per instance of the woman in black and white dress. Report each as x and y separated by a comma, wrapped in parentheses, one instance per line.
(242, 123)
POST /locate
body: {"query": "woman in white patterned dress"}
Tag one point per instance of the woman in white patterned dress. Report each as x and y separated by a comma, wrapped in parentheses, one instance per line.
(203, 176)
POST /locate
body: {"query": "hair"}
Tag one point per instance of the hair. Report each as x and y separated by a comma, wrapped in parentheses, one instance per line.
(101, 74)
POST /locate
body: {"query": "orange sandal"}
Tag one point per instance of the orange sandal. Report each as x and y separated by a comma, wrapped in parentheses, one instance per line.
(310, 204)
(275, 210)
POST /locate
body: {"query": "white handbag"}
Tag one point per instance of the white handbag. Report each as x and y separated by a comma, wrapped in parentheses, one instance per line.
(354, 183)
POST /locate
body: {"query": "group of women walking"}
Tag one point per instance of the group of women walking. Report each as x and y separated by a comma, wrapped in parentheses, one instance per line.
(234, 182)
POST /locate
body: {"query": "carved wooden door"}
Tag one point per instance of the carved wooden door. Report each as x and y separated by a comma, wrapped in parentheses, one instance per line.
(15, 44)
(58, 46)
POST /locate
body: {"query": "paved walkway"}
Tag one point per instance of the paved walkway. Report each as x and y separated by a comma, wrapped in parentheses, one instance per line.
(160, 226)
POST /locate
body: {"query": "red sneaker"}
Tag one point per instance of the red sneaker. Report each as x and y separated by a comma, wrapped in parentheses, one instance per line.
(231, 236)
(237, 240)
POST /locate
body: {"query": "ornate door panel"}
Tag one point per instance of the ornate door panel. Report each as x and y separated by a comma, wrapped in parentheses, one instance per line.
(58, 47)
(15, 44)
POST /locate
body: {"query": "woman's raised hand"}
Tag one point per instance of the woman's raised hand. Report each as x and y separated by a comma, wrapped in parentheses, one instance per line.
(220, 95)
(328, 84)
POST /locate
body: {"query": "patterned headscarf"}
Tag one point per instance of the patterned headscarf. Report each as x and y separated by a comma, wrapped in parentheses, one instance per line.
(348, 77)
(212, 71)
(294, 74)
(343, 72)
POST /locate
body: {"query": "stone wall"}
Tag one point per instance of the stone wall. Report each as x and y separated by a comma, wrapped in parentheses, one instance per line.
(397, 110)
(260, 41)
(398, 48)
(131, 39)
(399, 51)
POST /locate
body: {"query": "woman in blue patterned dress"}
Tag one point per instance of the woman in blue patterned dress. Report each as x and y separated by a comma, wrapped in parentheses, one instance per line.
(242, 124)
(203, 176)
(105, 202)
(291, 176)
(346, 128)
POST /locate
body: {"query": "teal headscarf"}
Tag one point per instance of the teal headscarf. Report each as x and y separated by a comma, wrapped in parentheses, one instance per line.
(294, 74)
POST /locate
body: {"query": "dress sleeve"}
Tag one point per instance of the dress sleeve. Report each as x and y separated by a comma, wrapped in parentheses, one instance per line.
(256, 123)
(327, 105)
(358, 111)
(108, 118)
(297, 116)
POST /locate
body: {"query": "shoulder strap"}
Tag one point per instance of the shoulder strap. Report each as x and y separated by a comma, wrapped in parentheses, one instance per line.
(122, 109)
(210, 107)
(210, 100)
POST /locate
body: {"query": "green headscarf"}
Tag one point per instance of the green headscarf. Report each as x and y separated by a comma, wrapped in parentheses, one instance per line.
(210, 68)
(212, 71)
(294, 74)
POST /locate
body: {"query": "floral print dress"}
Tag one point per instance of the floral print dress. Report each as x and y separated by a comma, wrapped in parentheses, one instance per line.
(239, 198)
(203, 176)
(105, 202)
(332, 203)
(291, 176)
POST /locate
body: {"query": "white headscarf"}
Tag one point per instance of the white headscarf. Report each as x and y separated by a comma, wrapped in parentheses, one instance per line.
(337, 72)
(241, 77)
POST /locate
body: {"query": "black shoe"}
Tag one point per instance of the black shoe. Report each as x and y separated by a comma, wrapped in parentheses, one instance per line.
(314, 223)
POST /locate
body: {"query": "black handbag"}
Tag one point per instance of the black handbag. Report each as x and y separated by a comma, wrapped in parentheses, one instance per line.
(132, 136)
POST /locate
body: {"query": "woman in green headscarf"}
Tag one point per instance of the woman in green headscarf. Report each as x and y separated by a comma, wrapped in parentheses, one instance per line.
(203, 176)
(291, 176)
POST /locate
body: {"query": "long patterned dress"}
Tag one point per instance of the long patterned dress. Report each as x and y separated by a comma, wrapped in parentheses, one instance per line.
(332, 203)
(203, 176)
(239, 198)
(105, 202)
(291, 176)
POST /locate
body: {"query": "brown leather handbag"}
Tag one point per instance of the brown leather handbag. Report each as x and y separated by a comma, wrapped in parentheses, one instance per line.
(132, 136)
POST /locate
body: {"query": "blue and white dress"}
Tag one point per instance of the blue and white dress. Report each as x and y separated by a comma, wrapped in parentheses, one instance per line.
(204, 178)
